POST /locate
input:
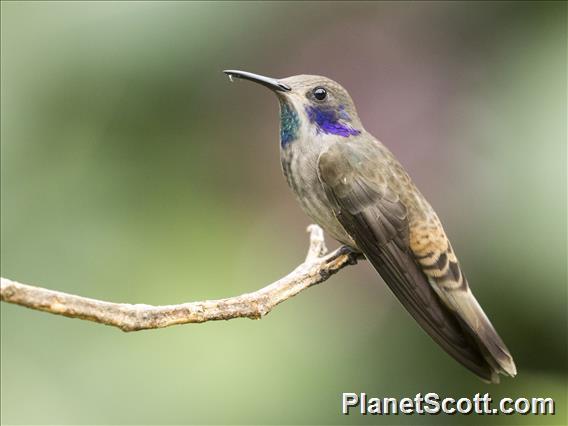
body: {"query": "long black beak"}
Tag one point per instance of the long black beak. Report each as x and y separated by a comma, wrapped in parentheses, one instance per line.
(271, 83)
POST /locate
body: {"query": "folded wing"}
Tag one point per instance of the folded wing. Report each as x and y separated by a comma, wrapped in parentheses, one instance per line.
(410, 256)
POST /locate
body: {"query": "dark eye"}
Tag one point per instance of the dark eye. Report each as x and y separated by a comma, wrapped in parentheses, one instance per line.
(319, 93)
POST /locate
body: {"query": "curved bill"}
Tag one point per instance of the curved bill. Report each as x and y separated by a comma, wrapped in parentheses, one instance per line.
(271, 83)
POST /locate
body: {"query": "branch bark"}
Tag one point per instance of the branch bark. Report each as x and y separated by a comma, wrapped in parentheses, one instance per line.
(317, 267)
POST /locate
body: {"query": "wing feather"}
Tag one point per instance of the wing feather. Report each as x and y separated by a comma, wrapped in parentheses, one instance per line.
(373, 214)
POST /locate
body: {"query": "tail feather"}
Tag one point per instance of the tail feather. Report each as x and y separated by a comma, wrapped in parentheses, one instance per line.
(475, 322)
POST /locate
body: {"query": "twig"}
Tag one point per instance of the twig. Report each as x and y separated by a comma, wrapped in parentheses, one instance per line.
(317, 268)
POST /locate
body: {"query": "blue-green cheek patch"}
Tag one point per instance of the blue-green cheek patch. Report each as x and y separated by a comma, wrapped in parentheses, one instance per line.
(289, 124)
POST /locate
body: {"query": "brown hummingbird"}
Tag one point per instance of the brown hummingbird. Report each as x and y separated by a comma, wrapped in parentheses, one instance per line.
(350, 184)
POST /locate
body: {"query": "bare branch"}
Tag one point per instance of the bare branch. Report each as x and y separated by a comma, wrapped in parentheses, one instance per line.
(317, 268)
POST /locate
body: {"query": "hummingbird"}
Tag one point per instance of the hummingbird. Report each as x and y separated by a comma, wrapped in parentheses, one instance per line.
(351, 185)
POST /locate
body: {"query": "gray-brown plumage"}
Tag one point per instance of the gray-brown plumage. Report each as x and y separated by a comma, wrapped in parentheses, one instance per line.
(352, 186)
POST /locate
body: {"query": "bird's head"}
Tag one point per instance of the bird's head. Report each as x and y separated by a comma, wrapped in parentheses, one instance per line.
(310, 105)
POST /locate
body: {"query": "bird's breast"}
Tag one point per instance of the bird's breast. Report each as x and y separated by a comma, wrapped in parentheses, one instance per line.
(299, 164)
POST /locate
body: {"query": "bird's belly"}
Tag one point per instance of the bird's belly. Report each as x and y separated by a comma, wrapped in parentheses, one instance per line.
(302, 178)
(315, 206)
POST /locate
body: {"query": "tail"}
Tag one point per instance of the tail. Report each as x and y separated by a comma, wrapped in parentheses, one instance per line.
(476, 324)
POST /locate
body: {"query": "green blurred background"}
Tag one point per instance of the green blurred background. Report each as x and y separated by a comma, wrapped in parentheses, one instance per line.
(133, 171)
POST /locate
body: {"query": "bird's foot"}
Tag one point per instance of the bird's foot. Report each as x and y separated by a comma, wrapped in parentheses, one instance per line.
(353, 254)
